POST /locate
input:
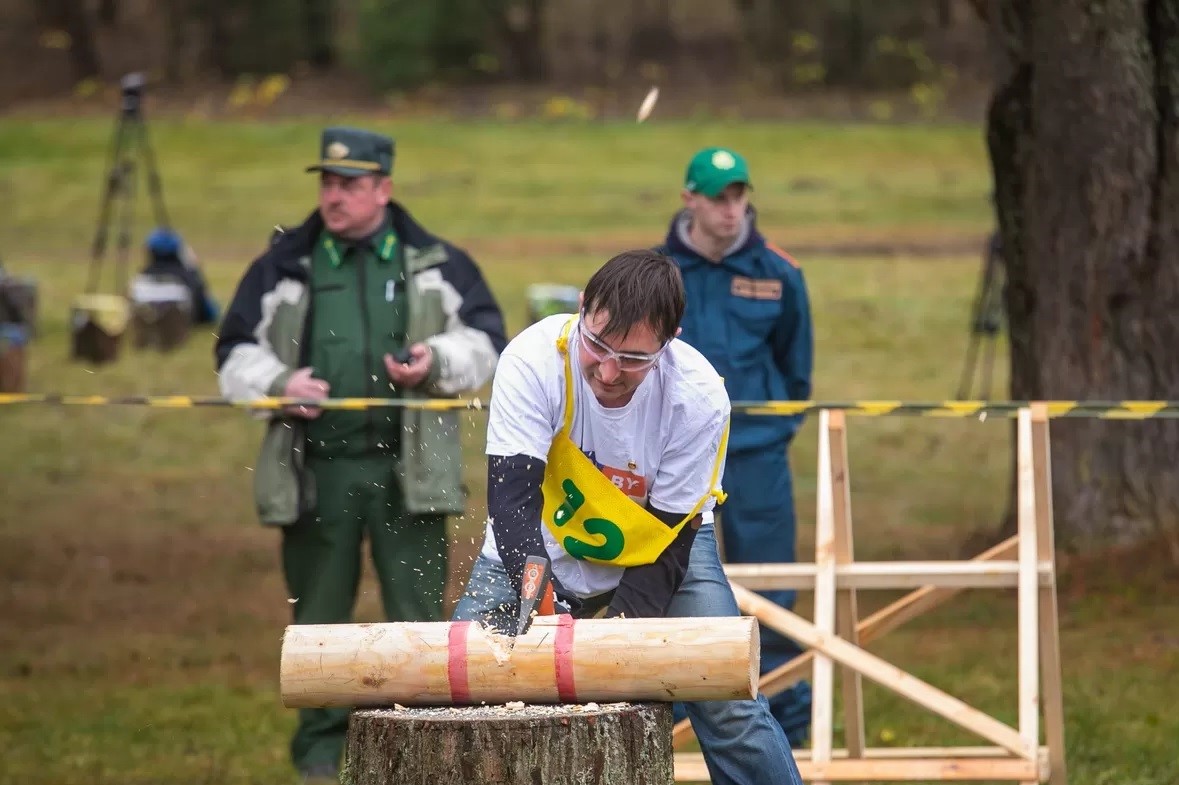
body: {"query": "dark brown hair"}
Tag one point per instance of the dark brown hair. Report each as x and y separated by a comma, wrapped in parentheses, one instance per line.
(637, 287)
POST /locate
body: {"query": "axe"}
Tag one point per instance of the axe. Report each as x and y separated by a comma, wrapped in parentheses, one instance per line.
(536, 593)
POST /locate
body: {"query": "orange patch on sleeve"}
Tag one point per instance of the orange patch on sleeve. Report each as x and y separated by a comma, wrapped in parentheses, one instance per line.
(793, 262)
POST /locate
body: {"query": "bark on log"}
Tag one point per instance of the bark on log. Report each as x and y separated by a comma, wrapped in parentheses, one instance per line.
(611, 744)
(559, 660)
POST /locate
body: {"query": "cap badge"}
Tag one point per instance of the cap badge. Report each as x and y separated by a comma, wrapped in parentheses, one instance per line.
(337, 150)
(723, 159)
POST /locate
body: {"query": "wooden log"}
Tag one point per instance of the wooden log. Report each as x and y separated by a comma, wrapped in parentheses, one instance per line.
(590, 744)
(559, 660)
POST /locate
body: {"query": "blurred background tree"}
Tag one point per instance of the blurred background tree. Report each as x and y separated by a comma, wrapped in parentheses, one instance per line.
(402, 44)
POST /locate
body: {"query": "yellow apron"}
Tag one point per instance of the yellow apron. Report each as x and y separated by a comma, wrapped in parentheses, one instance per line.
(587, 513)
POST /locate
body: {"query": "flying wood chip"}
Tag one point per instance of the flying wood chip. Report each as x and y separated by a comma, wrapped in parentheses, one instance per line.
(648, 104)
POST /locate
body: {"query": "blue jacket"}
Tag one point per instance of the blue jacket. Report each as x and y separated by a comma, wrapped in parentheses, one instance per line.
(750, 316)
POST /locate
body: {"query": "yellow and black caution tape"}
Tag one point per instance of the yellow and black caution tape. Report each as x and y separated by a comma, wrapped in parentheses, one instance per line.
(1108, 410)
(1105, 410)
(198, 401)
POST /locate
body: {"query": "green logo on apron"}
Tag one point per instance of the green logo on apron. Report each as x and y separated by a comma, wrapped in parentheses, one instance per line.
(614, 541)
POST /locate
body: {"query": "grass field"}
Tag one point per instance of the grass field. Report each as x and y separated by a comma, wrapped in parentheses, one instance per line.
(141, 606)
(226, 182)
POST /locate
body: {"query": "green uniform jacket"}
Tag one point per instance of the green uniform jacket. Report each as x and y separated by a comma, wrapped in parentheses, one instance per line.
(264, 338)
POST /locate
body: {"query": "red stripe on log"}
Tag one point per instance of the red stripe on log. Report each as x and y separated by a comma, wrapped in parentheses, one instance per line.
(563, 655)
(456, 662)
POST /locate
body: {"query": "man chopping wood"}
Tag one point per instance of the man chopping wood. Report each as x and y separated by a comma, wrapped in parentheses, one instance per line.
(606, 444)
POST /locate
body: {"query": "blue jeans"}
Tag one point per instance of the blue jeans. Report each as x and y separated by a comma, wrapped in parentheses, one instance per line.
(758, 525)
(741, 741)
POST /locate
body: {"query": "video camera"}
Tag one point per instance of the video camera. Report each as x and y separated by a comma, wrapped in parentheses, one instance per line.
(98, 320)
(132, 85)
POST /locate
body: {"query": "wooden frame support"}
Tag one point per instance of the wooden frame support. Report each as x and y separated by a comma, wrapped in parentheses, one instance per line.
(1049, 628)
(1027, 644)
(1025, 562)
(847, 616)
(823, 669)
(924, 765)
(978, 574)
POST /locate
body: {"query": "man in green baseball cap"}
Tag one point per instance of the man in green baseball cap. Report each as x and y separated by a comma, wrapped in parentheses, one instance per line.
(359, 301)
(714, 169)
(749, 314)
(716, 199)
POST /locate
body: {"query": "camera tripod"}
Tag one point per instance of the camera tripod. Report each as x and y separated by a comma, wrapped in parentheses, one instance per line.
(986, 320)
(128, 145)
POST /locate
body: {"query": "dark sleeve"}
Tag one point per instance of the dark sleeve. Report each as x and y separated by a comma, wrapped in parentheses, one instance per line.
(242, 315)
(514, 504)
(646, 591)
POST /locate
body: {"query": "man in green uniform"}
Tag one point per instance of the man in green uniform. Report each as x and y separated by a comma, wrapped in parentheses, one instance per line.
(358, 302)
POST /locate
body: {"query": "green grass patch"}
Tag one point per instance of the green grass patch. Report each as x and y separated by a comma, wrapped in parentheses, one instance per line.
(226, 183)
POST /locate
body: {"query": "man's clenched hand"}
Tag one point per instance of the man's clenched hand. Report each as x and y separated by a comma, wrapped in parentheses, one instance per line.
(303, 385)
(414, 372)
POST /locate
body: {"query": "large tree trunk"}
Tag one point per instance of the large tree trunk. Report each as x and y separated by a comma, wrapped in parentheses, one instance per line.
(520, 27)
(612, 744)
(176, 16)
(108, 12)
(218, 40)
(319, 32)
(1082, 138)
(71, 17)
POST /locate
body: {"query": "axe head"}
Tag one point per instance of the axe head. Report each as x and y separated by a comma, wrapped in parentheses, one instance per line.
(536, 593)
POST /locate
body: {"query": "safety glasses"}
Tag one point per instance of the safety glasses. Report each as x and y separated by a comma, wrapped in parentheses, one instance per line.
(627, 361)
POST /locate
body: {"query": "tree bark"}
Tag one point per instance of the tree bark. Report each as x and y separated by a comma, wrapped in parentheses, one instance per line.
(319, 32)
(1082, 139)
(108, 12)
(520, 28)
(218, 40)
(981, 9)
(176, 15)
(512, 744)
(71, 17)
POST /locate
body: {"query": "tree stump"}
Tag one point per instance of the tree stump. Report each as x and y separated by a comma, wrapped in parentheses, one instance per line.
(512, 744)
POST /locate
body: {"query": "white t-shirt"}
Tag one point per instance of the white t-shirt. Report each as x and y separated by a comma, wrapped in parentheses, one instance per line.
(661, 446)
